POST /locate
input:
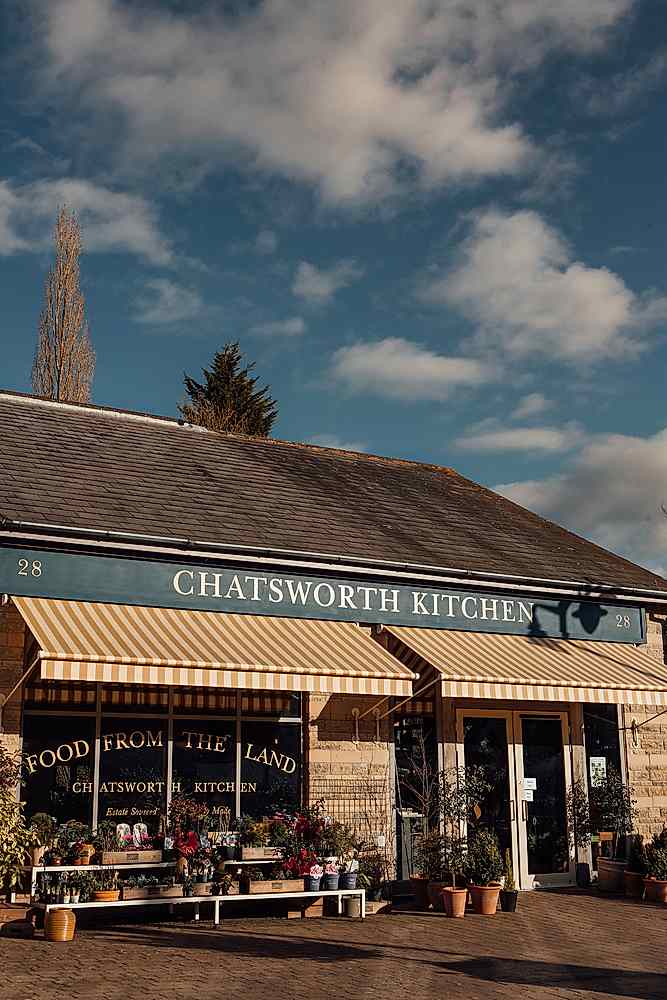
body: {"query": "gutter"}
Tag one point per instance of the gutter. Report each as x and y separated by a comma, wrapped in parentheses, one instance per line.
(132, 543)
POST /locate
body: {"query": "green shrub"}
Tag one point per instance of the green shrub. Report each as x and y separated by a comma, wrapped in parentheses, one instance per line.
(483, 861)
(657, 865)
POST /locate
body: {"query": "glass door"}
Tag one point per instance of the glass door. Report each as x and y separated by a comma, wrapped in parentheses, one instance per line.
(485, 739)
(526, 757)
(543, 771)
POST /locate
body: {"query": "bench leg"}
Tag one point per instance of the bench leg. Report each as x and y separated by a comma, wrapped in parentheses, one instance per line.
(339, 900)
(363, 904)
(196, 911)
(216, 916)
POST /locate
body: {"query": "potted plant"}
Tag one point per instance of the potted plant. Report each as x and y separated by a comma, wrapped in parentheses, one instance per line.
(222, 884)
(612, 809)
(104, 886)
(455, 897)
(349, 870)
(579, 822)
(372, 875)
(42, 829)
(509, 893)
(484, 868)
(657, 869)
(330, 876)
(636, 868)
(311, 881)
(430, 880)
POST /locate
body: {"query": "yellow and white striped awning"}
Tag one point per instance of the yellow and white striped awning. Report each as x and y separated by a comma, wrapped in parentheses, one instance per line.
(114, 643)
(517, 667)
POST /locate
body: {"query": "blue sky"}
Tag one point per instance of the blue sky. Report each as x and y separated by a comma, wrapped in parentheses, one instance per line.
(437, 227)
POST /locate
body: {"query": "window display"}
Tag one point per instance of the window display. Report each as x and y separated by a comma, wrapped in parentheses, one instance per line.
(58, 759)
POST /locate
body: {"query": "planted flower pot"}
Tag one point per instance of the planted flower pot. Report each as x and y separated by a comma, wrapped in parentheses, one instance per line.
(454, 901)
(419, 885)
(610, 875)
(106, 895)
(330, 882)
(633, 883)
(484, 899)
(311, 884)
(347, 880)
(508, 900)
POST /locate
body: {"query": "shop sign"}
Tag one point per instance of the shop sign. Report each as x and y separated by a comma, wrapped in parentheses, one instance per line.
(116, 580)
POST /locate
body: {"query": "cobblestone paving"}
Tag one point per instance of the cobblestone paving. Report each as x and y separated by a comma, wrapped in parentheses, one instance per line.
(557, 945)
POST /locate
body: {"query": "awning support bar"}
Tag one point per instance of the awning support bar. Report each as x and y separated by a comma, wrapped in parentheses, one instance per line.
(416, 694)
(19, 683)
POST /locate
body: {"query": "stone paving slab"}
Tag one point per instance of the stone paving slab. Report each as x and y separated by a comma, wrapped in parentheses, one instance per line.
(558, 945)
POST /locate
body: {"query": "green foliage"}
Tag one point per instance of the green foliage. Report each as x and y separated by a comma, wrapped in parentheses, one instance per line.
(431, 856)
(106, 838)
(15, 837)
(228, 399)
(657, 863)
(187, 814)
(43, 828)
(637, 856)
(483, 861)
(461, 789)
(510, 884)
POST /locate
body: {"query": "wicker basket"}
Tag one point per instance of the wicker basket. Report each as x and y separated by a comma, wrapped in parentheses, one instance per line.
(60, 925)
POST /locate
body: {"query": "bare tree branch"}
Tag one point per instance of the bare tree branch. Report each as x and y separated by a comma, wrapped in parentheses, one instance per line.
(64, 362)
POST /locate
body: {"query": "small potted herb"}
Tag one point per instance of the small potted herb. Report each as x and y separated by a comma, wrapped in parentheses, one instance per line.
(509, 893)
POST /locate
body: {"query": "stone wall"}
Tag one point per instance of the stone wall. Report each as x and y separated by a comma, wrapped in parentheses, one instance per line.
(354, 777)
(647, 752)
(12, 638)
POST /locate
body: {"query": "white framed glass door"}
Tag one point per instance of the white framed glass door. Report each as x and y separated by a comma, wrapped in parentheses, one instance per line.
(527, 758)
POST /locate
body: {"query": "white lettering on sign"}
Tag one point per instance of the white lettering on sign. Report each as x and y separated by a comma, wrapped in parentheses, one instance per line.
(271, 758)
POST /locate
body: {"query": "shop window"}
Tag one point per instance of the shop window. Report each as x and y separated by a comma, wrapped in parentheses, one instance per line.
(204, 763)
(603, 750)
(204, 701)
(58, 756)
(271, 703)
(134, 698)
(133, 755)
(270, 767)
(57, 696)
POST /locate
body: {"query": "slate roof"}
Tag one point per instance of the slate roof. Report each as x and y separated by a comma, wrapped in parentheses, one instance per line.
(110, 470)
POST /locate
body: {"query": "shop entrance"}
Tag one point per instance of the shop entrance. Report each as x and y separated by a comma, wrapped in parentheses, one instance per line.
(527, 758)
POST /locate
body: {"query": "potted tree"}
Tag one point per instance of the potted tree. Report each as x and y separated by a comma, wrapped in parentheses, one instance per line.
(579, 822)
(484, 868)
(430, 858)
(612, 809)
(509, 893)
(455, 897)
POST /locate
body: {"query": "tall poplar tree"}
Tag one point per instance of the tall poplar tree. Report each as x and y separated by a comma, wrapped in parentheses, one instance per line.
(228, 400)
(64, 362)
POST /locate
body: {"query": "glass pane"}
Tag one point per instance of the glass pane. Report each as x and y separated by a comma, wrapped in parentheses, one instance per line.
(546, 824)
(485, 745)
(603, 751)
(270, 767)
(204, 762)
(133, 773)
(58, 756)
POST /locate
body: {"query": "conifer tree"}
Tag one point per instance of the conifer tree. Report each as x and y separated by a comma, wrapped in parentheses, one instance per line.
(228, 400)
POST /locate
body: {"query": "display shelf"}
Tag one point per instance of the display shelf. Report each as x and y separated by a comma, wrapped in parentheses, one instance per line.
(39, 869)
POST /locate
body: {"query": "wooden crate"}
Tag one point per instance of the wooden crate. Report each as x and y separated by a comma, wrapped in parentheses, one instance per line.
(313, 909)
(152, 892)
(131, 857)
(249, 886)
(202, 888)
(261, 853)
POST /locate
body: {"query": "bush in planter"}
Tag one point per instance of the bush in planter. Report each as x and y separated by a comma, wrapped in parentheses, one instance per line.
(484, 867)
(15, 837)
(612, 808)
(509, 893)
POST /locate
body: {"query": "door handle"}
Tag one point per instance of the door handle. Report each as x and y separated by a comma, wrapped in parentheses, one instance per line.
(524, 810)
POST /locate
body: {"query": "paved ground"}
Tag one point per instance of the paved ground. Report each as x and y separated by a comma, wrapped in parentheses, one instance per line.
(558, 945)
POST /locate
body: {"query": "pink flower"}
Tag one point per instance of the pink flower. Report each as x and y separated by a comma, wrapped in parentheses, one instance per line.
(316, 871)
(331, 868)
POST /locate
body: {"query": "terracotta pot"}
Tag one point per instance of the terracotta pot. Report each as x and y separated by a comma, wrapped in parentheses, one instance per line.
(60, 925)
(419, 886)
(435, 895)
(106, 895)
(484, 899)
(454, 901)
(660, 891)
(649, 890)
(610, 875)
(634, 884)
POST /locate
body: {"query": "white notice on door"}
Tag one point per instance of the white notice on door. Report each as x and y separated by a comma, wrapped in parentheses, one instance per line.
(528, 795)
(530, 783)
(598, 769)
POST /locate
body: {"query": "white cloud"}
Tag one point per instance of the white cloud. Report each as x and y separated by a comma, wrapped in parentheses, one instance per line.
(319, 286)
(517, 280)
(294, 326)
(344, 95)
(401, 369)
(611, 492)
(111, 221)
(266, 242)
(531, 406)
(495, 438)
(165, 302)
(334, 441)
